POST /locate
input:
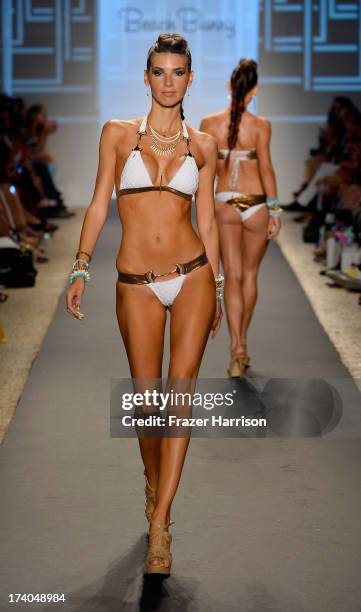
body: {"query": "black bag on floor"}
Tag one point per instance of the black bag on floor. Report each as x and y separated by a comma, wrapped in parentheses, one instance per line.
(17, 268)
(311, 232)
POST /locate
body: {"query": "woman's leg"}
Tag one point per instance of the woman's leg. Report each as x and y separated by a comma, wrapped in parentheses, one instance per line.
(230, 231)
(142, 319)
(15, 206)
(192, 314)
(243, 244)
(254, 247)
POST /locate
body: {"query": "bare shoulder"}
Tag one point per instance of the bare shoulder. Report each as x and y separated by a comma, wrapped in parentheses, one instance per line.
(205, 141)
(121, 126)
(211, 123)
(263, 124)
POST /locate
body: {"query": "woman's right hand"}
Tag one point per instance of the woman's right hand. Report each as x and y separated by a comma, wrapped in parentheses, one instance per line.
(73, 298)
(274, 227)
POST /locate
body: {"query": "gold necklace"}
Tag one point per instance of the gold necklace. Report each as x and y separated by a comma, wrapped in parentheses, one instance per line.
(163, 145)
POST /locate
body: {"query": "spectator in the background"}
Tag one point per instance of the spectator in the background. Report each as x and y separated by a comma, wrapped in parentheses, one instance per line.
(39, 127)
(331, 196)
(37, 130)
(342, 119)
(28, 195)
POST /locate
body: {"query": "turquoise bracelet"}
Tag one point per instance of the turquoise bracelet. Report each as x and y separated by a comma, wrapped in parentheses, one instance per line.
(84, 273)
(274, 207)
(273, 202)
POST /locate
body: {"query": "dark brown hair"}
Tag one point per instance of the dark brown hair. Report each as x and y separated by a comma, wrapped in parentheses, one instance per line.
(243, 78)
(171, 43)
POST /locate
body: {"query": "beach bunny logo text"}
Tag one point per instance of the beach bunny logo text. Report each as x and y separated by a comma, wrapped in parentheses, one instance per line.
(187, 19)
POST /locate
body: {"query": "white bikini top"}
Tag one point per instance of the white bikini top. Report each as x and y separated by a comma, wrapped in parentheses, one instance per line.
(135, 176)
(236, 156)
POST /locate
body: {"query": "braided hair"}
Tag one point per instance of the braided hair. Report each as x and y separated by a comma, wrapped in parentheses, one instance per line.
(244, 77)
(171, 43)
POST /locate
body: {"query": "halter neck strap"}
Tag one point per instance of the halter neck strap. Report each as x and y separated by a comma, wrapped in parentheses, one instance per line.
(143, 127)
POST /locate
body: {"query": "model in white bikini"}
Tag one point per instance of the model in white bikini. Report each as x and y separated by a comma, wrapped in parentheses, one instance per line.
(135, 179)
(158, 165)
(247, 207)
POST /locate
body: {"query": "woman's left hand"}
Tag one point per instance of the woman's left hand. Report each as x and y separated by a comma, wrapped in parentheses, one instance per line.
(217, 319)
(274, 227)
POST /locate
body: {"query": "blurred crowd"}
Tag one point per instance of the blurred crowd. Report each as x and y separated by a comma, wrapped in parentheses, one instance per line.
(29, 197)
(329, 199)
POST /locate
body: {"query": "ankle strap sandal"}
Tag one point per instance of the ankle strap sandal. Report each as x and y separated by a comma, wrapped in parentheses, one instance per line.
(159, 549)
(239, 361)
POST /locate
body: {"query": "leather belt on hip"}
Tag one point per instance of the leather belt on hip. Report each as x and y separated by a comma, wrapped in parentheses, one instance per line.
(150, 276)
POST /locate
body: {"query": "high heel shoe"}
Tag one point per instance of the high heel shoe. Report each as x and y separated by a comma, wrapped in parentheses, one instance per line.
(159, 540)
(247, 358)
(150, 498)
(239, 362)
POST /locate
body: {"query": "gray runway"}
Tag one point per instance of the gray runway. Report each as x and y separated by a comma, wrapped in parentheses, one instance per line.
(261, 525)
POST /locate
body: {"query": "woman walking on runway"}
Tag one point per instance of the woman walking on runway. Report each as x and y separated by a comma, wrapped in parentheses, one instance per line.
(247, 207)
(158, 164)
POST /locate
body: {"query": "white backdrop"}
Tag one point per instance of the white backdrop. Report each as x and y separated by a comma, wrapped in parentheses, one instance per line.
(219, 33)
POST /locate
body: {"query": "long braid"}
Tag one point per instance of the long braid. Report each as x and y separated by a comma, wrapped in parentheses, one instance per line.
(243, 79)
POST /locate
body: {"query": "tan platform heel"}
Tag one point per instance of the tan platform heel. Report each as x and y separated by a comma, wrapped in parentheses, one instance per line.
(239, 361)
(247, 358)
(150, 498)
(159, 540)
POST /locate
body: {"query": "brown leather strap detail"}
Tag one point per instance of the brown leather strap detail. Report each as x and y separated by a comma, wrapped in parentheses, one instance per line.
(199, 261)
(187, 196)
(247, 200)
(149, 277)
(251, 155)
(188, 140)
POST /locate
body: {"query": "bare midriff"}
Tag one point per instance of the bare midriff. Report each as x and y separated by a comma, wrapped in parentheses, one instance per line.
(157, 233)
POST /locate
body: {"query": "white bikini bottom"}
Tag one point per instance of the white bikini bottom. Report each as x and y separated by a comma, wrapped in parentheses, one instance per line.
(224, 196)
(167, 291)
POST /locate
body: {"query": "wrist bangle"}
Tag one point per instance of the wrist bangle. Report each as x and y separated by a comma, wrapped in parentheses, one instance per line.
(274, 207)
(84, 253)
(84, 273)
(273, 202)
(275, 212)
(83, 263)
(219, 280)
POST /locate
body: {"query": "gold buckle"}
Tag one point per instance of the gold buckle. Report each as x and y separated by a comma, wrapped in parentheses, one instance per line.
(150, 276)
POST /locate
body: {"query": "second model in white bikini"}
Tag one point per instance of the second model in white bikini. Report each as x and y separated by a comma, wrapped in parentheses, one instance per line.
(245, 204)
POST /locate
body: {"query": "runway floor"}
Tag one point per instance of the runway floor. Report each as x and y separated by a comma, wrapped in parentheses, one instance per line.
(260, 524)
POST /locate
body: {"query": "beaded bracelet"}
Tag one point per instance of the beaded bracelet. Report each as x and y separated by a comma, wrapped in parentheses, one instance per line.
(274, 207)
(219, 279)
(276, 212)
(84, 273)
(84, 264)
(80, 268)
